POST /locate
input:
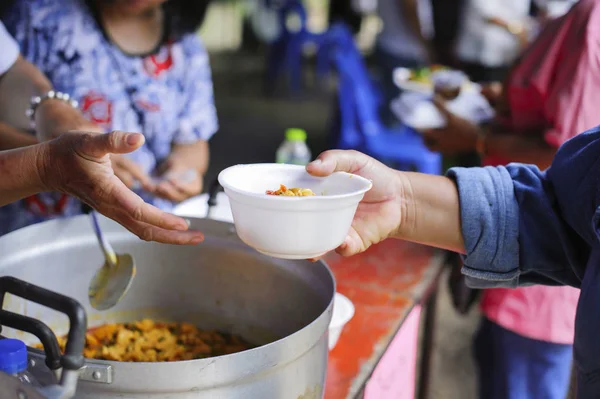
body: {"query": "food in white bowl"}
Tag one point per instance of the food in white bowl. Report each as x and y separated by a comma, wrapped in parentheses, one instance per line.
(291, 192)
(291, 227)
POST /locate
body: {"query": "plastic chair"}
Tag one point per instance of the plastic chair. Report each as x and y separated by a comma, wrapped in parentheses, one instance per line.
(286, 52)
(400, 147)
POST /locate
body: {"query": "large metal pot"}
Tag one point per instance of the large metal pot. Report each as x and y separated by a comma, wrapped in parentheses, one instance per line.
(219, 284)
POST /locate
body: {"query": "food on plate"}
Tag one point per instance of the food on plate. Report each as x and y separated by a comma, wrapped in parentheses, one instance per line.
(440, 79)
(150, 341)
(291, 192)
(447, 93)
(423, 75)
(447, 83)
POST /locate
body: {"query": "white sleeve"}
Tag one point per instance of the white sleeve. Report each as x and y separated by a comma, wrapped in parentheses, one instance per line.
(9, 50)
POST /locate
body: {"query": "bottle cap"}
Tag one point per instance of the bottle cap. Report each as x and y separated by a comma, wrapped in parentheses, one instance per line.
(13, 356)
(295, 135)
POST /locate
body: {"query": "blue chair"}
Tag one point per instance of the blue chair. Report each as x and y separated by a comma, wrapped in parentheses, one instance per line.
(361, 126)
(286, 52)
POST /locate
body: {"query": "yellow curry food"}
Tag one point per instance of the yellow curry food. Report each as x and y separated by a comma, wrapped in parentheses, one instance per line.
(150, 341)
(291, 192)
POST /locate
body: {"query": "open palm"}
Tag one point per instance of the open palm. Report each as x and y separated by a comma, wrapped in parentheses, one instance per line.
(78, 164)
(379, 214)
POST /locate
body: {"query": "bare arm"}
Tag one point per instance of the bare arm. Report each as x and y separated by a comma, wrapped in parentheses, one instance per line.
(430, 209)
(22, 81)
(19, 174)
(78, 164)
(519, 148)
(11, 137)
(194, 156)
(410, 10)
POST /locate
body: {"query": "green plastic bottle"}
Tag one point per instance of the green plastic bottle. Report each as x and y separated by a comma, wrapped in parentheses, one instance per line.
(294, 149)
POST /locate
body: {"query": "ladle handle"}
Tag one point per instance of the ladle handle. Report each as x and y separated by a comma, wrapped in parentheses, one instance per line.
(109, 253)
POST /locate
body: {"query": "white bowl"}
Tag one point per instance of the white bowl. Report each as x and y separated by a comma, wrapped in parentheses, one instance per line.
(343, 311)
(291, 227)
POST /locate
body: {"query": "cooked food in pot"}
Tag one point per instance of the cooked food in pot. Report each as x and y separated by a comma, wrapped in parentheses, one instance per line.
(291, 192)
(149, 341)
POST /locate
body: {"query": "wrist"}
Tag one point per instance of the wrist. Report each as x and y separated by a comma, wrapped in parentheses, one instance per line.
(43, 159)
(429, 207)
(408, 207)
(54, 117)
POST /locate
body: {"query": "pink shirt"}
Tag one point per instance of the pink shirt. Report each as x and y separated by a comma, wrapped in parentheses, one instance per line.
(556, 87)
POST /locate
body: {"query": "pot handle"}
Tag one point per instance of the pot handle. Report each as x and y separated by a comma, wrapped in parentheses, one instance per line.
(72, 359)
(37, 328)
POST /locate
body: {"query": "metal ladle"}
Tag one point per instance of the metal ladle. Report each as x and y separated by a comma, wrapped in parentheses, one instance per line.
(113, 279)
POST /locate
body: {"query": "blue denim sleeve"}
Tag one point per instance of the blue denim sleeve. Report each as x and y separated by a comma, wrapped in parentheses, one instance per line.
(490, 218)
(522, 226)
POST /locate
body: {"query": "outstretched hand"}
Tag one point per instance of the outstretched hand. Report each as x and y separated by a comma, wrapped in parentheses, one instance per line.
(78, 163)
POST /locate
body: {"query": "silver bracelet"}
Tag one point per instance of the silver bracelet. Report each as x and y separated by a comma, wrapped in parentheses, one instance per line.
(50, 95)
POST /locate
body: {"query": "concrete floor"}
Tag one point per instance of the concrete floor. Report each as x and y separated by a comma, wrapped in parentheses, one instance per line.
(453, 375)
(252, 127)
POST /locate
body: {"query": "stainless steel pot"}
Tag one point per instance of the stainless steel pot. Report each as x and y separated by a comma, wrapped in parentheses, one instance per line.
(219, 284)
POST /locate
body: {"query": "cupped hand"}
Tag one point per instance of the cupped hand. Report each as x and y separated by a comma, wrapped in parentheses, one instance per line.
(380, 213)
(458, 136)
(179, 183)
(79, 164)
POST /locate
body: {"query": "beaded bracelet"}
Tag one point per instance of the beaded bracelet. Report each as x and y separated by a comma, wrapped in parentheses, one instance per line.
(50, 95)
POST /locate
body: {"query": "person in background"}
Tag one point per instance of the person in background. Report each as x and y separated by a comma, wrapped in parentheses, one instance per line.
(77, 163)
(404, 41)
(446, 22)
(550, 95)
(515, 225)
(491, 36)
(132, 66)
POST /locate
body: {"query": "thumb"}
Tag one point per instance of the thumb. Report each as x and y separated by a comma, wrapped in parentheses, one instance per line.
(337, 161)
(112, 143)
(352, 245)
(440, 104)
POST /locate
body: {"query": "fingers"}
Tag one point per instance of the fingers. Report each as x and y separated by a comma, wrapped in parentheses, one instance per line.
(352, 245)
(150, 232)
(188, 183)
(124, 176)
(179, 187)
(128, 202)
(130, 172)
(144, 220)
(337, 161)
(99, 145)
(166, 189)
(441, 106)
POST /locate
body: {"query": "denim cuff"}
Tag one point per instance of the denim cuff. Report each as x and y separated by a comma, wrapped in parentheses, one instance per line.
(489, 215)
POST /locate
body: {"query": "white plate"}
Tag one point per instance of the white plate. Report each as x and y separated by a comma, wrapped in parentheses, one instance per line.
(197, 207)
(343, 311)
(417, 111)
(401, 78)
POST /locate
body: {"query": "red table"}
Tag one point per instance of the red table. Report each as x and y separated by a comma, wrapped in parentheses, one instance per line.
(384, 283)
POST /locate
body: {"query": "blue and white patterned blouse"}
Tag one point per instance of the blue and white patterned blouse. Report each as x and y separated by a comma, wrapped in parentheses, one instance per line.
(167, 95)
